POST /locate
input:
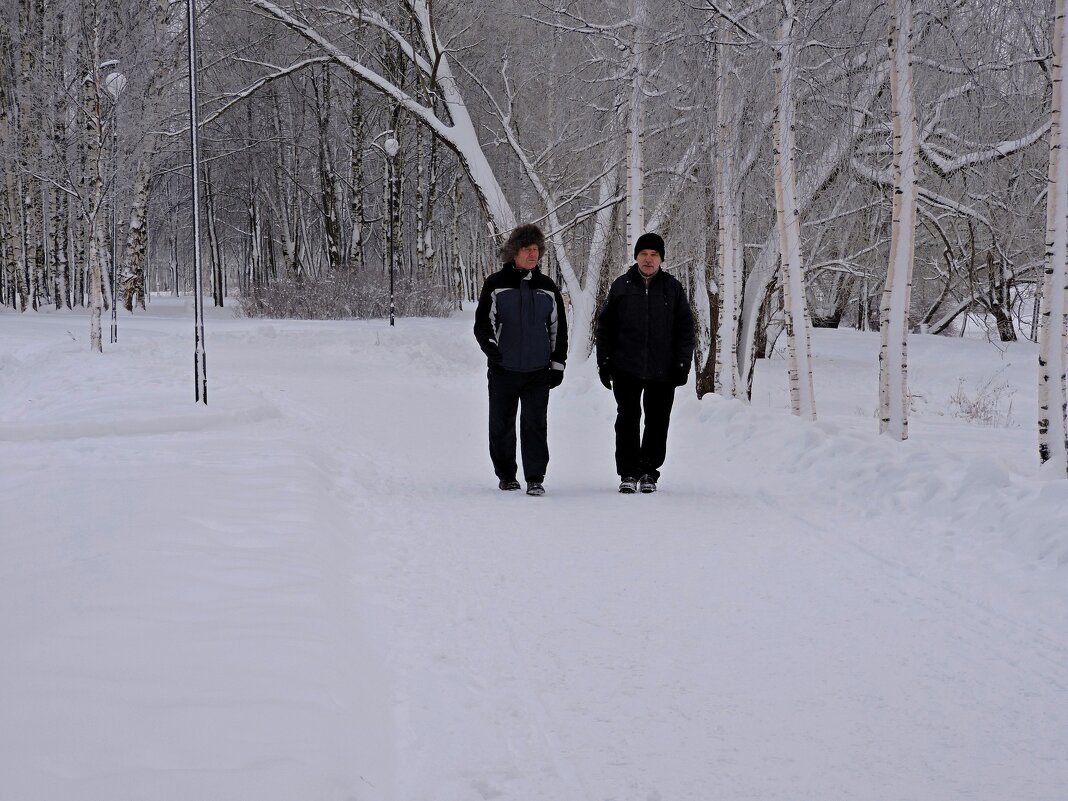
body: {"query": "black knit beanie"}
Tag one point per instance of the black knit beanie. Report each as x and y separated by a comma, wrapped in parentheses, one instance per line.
(520, 238)
(649, 242)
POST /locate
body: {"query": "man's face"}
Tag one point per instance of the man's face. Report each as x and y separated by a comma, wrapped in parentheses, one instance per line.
(648, 262)
(527, 258)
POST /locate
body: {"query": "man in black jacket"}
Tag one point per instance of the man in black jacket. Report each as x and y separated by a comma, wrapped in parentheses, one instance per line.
(521, 326)
(644, 347)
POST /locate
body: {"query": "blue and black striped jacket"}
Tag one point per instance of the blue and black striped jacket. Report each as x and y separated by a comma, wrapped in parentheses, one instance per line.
(520, 322)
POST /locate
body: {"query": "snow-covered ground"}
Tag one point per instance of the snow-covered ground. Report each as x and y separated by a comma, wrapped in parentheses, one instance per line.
(312, 589)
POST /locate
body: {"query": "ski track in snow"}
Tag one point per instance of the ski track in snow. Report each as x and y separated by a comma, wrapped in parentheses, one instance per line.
(313, 589)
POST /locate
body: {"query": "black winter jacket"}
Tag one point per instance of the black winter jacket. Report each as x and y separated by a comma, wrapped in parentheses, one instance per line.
(646, 331)
(520, 322)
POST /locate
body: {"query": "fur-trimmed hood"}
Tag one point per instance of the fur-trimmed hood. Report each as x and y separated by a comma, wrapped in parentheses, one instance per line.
(521, 237)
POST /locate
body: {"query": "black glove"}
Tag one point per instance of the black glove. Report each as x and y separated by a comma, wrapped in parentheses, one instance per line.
(680, 377)
(556, 377)
(493, 353)
(605, 376)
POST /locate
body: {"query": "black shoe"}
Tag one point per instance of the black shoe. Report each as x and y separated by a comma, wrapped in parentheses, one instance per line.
(628, 485)
(647, 484)
(535, 488)
(509, 485)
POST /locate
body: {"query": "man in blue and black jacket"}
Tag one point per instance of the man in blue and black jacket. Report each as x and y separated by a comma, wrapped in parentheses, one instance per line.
(521, 326)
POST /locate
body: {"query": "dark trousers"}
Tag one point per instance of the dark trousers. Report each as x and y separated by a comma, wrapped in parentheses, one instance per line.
(510, 391)
(639, 452)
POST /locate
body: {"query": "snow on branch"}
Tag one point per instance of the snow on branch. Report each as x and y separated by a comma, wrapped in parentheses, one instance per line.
(251, 89)
(884, 178)
(372, 77)
(946, 167)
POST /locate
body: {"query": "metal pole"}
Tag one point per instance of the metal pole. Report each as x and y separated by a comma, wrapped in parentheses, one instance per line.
(392, 235)
(114, 215)
(200, 367)
(391, 147)
(114, 84)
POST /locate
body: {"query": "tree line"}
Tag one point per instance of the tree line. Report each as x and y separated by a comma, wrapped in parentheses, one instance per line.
(348, 146)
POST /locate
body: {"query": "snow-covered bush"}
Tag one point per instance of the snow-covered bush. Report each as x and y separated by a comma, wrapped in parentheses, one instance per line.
(345, 297)
(989, 405)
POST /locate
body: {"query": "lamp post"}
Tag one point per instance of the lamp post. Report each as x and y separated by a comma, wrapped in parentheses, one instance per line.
(114, 83)
(200, 365)
(390, 148)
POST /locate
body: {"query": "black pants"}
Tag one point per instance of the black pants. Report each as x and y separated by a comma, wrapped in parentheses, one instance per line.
(643, 453)
(508, 392)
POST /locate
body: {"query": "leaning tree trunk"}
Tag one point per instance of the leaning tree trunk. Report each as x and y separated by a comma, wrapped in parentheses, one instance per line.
(211, 228)
(799, 361)
(894, 309)
(1052, 396)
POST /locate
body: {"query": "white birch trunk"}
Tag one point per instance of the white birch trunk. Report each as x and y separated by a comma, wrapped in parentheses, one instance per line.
(838, 151)
(894, 308)
(802, 401)
(1053, 315)
(730, 250)
(95, 162)
(635, 124)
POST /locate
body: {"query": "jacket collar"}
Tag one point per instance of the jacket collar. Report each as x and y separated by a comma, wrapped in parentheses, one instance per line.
(636, 274)
(523, 274)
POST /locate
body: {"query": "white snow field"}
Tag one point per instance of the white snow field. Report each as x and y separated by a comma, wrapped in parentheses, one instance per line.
(311, 589)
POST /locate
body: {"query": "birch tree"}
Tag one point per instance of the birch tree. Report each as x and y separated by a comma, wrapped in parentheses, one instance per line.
(894, 310)
(1053, 341)
(636, 124)
(95, 151)
(799, 358)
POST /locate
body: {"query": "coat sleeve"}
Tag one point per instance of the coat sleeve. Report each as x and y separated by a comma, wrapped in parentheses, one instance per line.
(684, 331)
(606, 329)
(485, 331)
(558, 340)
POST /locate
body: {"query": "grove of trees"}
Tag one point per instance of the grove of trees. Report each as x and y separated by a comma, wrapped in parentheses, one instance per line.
(791, 154)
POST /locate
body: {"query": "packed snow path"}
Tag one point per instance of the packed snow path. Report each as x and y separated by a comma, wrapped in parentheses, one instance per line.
(312, 588)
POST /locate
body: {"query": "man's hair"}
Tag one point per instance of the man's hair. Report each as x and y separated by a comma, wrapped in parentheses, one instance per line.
(521, 237)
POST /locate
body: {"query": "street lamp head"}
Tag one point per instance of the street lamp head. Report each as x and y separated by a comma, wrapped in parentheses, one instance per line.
(114, 83)
(392, 147)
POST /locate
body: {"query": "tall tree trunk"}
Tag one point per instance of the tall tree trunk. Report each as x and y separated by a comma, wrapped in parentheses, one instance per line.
(133, 288)
(95, 155)
(1052, 345)
(356, 177)
(635, 125)
(727, 134)
(30, 122)
(328, 187)
(894, 309)
(802, 400)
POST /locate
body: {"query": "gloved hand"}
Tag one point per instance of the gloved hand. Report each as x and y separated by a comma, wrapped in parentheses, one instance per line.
(681, 376)
(605, 376)
(493, 353)
(556, 377)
